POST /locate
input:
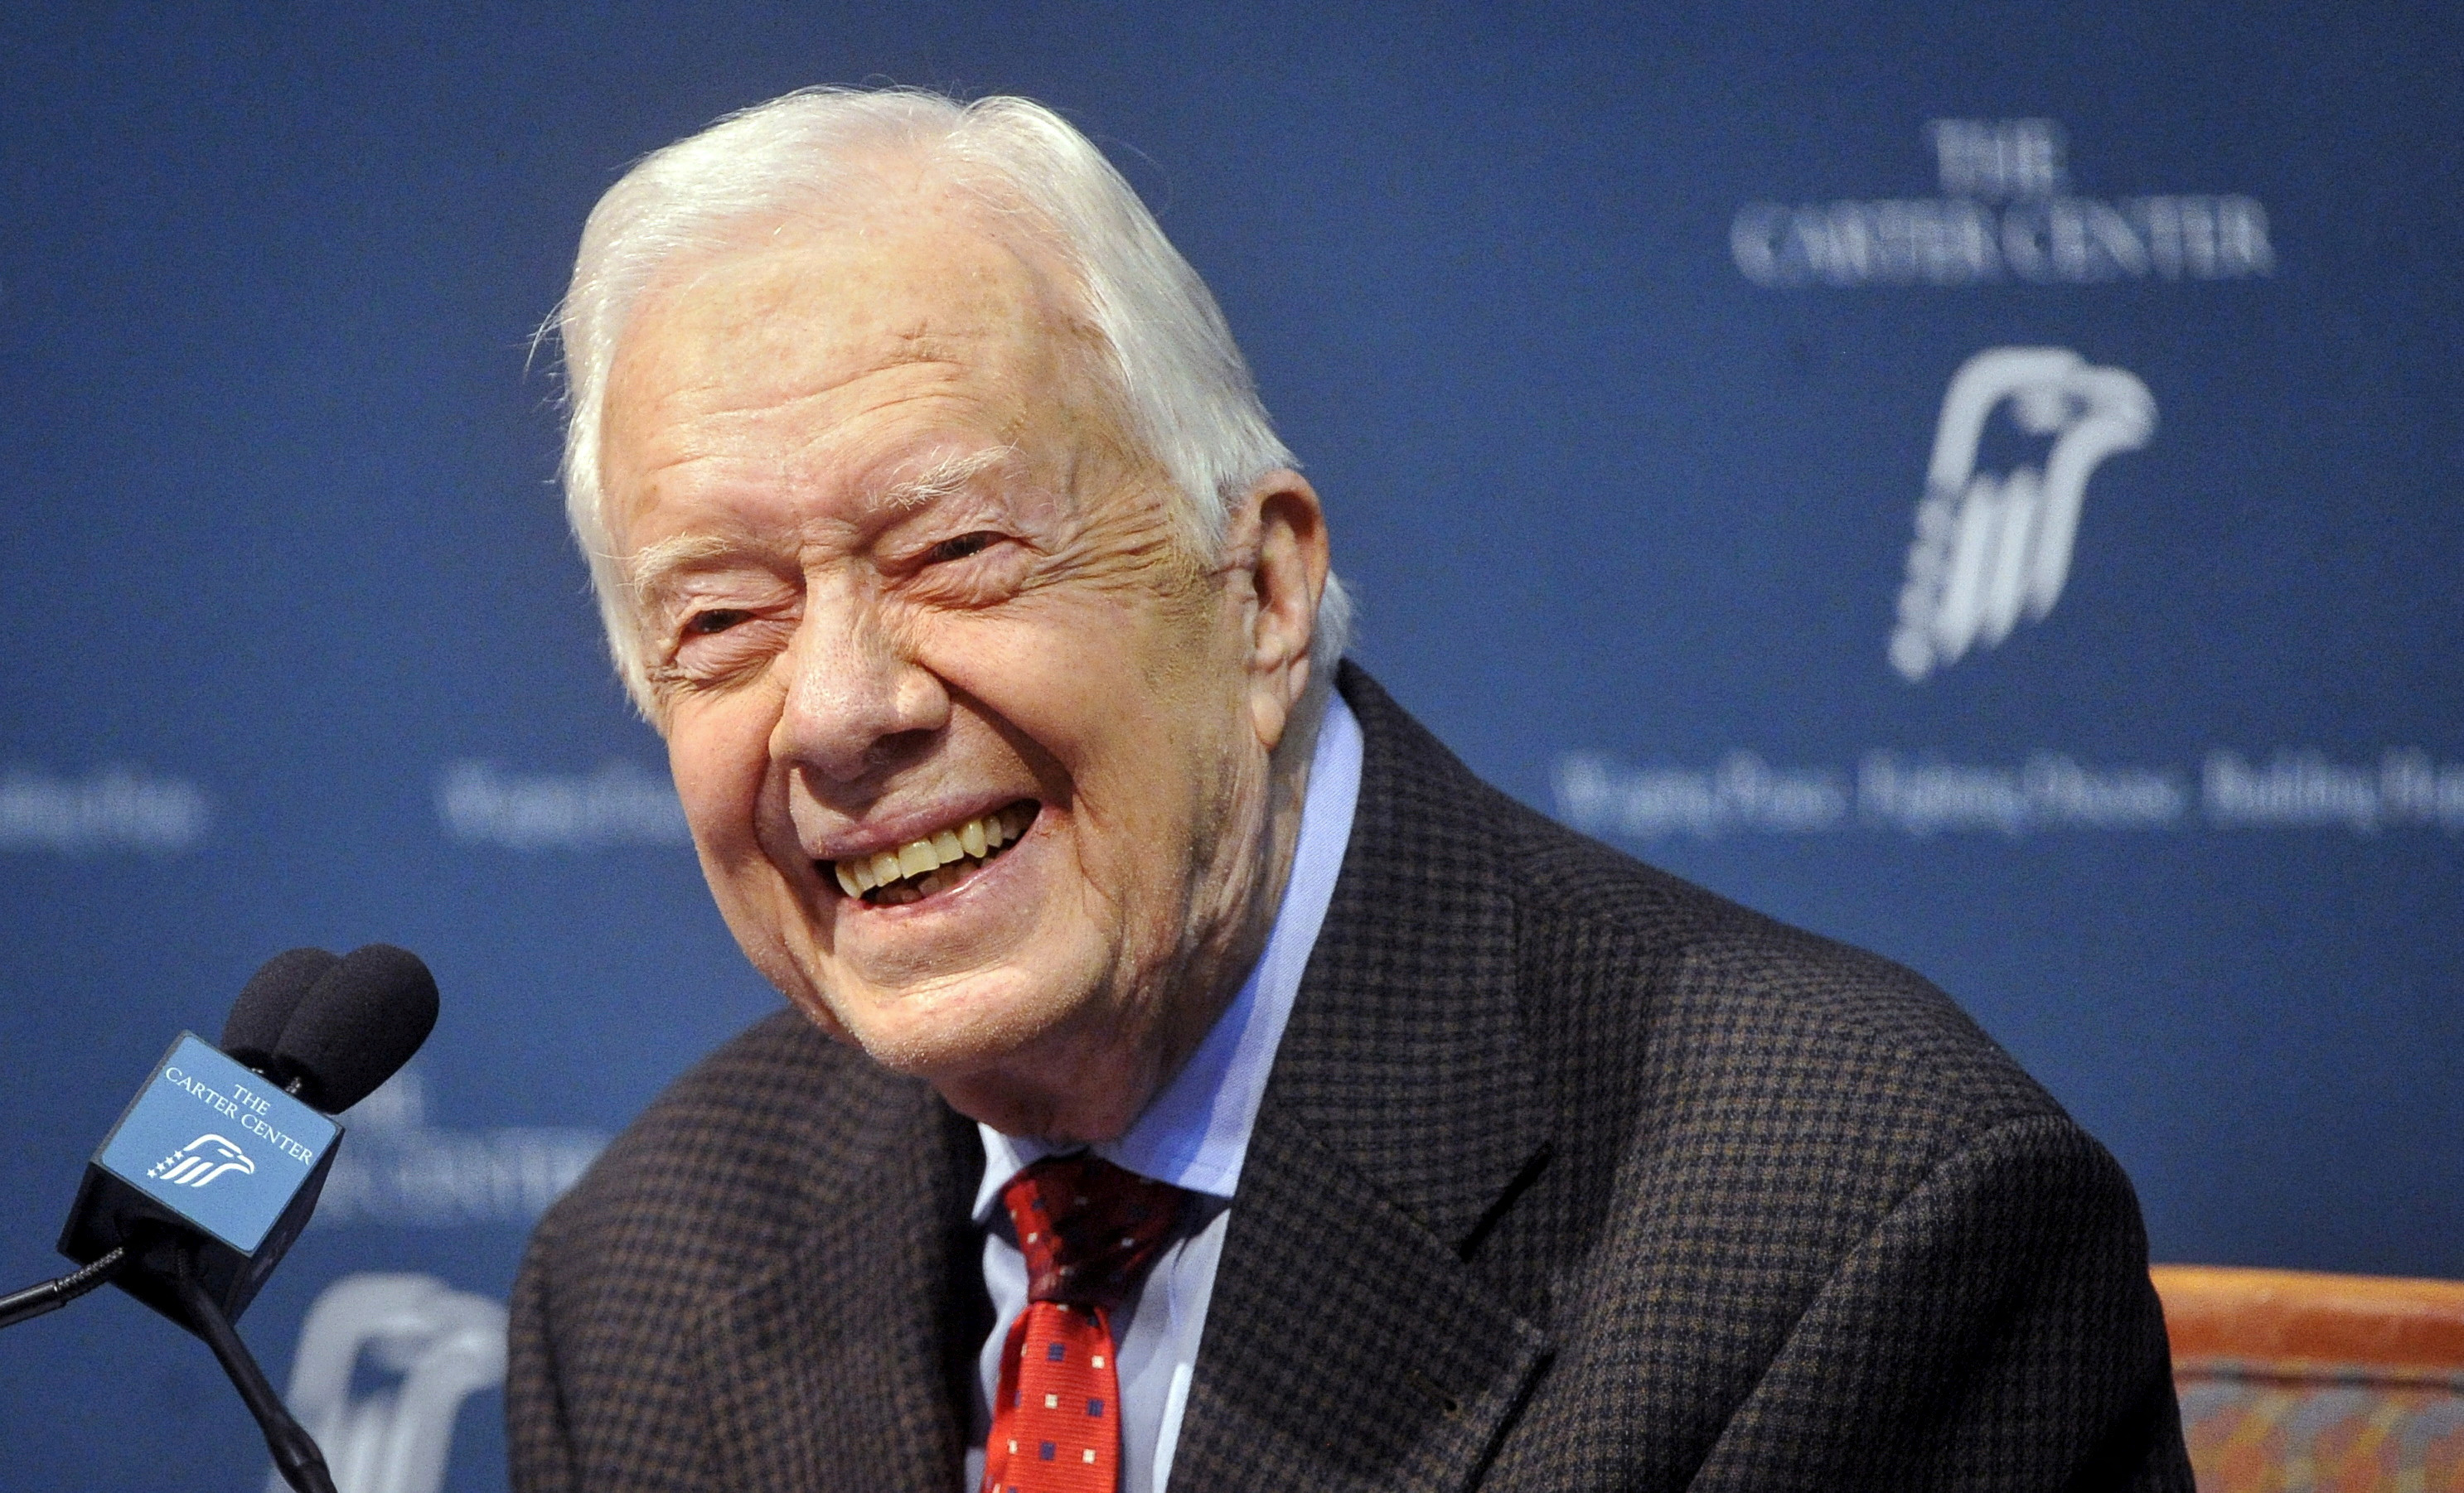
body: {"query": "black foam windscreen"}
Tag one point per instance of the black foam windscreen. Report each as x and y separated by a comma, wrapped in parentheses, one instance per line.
(253, 1031)
(360, 1023)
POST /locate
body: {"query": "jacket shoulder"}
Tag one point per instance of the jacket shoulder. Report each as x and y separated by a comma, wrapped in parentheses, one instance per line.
(1620, 961)
(1767, 1154)
(1720, 999)
(719, 1180)
(712, 1173)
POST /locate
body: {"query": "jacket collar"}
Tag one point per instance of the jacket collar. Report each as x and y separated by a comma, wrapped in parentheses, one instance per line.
(1349, 1343)
(1405, 1054)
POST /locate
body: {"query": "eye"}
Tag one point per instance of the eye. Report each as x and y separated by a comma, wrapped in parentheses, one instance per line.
(961, 547)
(718, 620)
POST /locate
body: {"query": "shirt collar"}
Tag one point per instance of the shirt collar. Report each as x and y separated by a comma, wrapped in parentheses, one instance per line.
(1196, 1133)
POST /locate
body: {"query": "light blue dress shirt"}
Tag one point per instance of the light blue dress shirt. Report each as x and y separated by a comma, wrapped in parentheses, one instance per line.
(1194, 1135)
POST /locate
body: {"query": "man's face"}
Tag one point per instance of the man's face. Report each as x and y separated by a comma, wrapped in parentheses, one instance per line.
(916, 613)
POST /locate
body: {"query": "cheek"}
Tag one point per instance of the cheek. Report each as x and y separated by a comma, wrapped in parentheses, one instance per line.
(719, 755)
(1061, 696)
(1129, 710)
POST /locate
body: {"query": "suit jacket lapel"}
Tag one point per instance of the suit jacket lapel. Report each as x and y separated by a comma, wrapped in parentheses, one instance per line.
(1348, 1343)
(847, 1365)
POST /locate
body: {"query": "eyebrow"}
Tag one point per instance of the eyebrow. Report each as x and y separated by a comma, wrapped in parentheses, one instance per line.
(942, 479)
(652, 568)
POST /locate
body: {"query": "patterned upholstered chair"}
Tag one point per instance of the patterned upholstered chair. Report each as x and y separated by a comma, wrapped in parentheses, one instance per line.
(2291, 1381)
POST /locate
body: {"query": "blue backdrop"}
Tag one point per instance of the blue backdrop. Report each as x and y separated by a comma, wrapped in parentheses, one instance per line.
(1978, 480)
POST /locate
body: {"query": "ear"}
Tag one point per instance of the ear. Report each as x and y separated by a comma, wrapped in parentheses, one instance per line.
(1279, 536)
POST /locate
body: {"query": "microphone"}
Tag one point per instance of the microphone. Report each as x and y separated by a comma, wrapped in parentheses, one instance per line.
(222, 1153)
(357, 1024)
(254, 1030)
(213, 1169)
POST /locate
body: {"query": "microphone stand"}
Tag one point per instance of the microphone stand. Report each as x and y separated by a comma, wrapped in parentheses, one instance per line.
(295, 1451)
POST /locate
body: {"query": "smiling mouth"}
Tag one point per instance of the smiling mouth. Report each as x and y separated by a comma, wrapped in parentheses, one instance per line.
(936, 863)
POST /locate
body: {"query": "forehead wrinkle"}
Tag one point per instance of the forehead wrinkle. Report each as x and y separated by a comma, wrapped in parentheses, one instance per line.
(982, 327)
(695, 419)
(680, 408)
(670, 447)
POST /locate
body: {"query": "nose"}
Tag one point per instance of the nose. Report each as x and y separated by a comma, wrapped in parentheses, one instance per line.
(857, 705)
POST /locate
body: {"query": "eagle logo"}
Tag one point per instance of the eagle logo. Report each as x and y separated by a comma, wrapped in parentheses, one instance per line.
(383, 1367)
(202, 1161)
(1991, 552)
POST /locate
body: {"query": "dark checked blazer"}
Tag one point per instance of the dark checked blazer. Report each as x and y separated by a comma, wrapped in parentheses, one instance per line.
(1569, 1175)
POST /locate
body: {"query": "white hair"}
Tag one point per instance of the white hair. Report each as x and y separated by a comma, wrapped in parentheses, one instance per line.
(1176, 377)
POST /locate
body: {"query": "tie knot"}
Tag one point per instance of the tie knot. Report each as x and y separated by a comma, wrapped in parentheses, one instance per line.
(1088, 1229)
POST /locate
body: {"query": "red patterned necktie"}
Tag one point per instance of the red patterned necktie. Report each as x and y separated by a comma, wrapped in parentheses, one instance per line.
(1088, 1230)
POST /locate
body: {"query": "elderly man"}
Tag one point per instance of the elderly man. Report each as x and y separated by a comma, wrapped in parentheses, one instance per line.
(1195, 1075)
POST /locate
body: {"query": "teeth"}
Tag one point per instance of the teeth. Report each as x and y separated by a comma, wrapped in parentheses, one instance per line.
(894, 872)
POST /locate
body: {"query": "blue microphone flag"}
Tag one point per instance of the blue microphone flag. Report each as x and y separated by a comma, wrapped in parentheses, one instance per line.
(209, 1147)
(216, 1144)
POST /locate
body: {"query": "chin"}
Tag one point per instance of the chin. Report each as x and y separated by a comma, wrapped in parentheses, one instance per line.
(950, 1032)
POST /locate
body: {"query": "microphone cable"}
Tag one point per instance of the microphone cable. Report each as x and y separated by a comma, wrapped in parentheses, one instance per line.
(52, 1295)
